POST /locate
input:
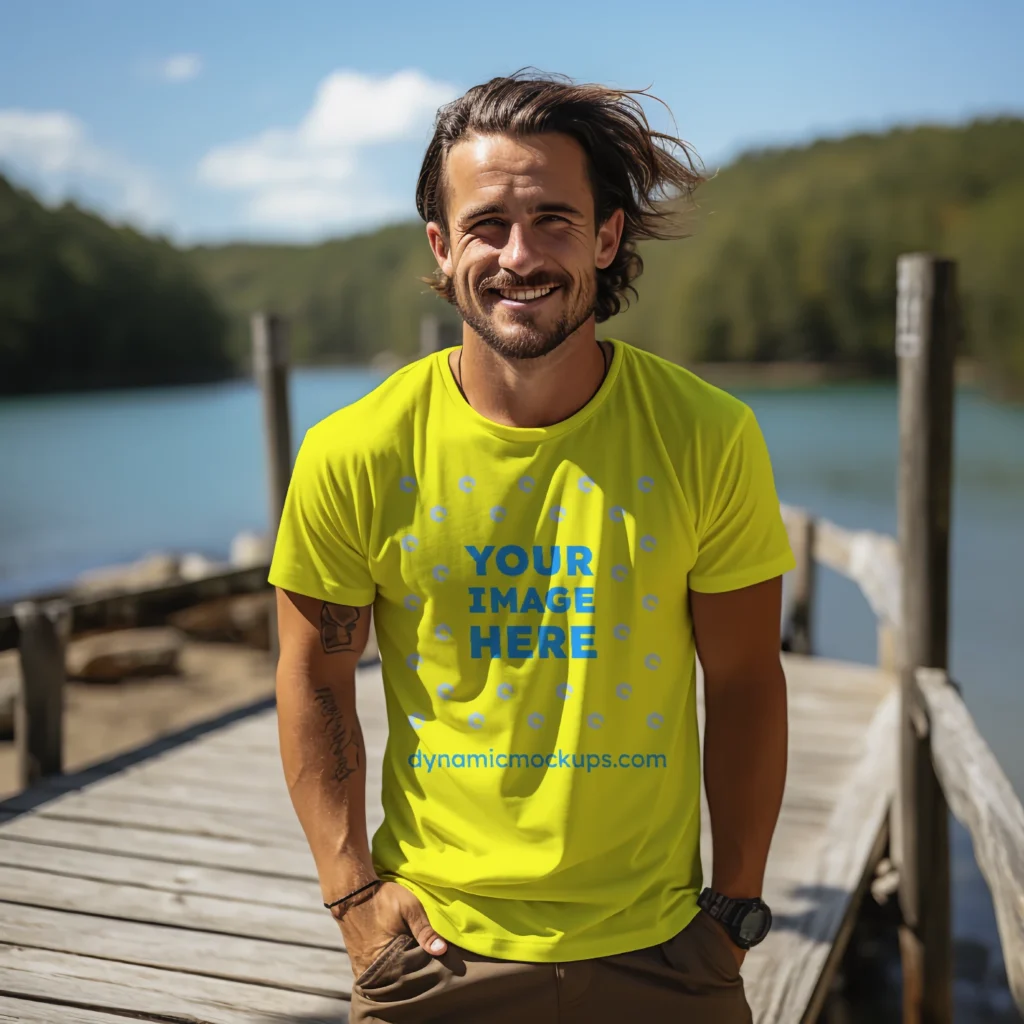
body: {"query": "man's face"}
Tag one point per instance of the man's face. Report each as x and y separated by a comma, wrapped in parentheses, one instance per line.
(523, 247)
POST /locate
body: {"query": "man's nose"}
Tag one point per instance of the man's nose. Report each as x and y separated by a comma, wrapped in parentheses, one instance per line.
(520, 255)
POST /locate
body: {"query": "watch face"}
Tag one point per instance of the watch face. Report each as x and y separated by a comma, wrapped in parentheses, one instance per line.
(755, 924)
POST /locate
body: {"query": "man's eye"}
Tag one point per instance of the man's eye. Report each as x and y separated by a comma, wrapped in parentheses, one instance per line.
(554, 216)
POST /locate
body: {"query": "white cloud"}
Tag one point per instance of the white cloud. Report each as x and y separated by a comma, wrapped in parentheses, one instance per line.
(181, 67)
(315, 173)
(53, 148)
(306, 207)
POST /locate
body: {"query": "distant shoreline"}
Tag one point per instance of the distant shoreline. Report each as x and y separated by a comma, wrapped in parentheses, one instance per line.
(781, 374)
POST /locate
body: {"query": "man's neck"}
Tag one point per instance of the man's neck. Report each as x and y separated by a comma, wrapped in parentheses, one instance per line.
(530, 392)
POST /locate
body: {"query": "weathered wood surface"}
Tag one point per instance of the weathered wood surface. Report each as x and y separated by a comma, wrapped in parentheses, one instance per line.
(983, 800)
(149, 607)
(181, 887)
(927, 328)
(870, 559)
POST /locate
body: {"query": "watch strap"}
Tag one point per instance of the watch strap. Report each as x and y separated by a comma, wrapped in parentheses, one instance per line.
(726, 909)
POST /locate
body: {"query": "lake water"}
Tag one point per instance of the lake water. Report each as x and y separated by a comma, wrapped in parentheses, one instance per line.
(87, 480)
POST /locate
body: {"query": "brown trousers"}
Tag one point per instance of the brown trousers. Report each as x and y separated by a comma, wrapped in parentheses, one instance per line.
(690, 977)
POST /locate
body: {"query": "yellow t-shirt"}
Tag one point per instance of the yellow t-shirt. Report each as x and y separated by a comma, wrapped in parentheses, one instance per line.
(541, 782)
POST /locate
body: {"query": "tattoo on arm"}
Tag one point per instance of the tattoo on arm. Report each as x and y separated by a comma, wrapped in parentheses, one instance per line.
(344, 741)
(337, 627)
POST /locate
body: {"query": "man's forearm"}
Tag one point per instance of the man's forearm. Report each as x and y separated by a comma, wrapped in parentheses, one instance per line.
(324, 761)
(745, 749)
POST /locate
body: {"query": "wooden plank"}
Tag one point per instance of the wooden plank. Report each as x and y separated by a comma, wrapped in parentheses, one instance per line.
(868, 558)
(135, 991)
(984, 801)
(163, 876)
(310, 926)
(200, 851)
(210, 954)
(830, 876)
(153, 788)
(147, 607)
(278, 830)
(44, 1012)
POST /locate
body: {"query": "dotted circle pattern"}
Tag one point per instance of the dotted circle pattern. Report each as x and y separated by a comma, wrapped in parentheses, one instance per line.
(498, 513)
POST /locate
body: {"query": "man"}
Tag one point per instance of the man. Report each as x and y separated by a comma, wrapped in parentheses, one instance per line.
(547, 528)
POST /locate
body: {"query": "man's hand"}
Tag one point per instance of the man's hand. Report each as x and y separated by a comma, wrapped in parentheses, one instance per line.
(740, 954)
(369, 926)
(737, 952)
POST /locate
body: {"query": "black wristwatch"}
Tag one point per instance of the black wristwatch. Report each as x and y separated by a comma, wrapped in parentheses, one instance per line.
(746, 921)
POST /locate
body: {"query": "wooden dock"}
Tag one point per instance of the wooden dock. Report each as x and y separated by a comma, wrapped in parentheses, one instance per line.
(180, 887)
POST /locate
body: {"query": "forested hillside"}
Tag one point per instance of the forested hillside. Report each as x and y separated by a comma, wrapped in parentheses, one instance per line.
(346, 299)
(85, 305)
(795, 251)
(791, 256)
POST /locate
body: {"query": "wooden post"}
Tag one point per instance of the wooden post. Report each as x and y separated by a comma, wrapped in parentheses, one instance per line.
(430, 334)
(926, 332)
(799, 635)
(39, 709)
(270, 365)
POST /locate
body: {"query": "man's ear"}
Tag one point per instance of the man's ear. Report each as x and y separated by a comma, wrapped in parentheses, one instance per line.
(609, 235)
(439, 246)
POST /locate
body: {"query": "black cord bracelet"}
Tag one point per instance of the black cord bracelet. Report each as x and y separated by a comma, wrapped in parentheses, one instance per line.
(355, 892)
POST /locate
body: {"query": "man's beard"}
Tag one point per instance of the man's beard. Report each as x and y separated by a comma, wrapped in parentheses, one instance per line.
(530, 341)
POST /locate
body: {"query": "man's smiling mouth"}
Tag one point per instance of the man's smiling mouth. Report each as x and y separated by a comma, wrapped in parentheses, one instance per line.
(524, 295)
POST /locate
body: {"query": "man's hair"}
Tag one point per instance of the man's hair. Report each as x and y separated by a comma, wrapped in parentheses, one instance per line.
(630, 165)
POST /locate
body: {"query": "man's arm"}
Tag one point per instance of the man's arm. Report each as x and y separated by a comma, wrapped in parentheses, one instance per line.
(745, 729)
(322, 747)
(324, 760)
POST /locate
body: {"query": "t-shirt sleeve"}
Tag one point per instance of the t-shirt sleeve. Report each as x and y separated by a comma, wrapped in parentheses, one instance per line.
(742, 539)
(317, 551)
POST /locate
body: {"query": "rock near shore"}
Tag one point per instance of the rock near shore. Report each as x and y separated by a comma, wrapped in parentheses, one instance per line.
(124, 653)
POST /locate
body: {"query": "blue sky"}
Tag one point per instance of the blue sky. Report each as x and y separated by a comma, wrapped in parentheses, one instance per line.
(221, 120)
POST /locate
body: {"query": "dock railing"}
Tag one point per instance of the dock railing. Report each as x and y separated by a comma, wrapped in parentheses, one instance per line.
(943, 759)
(944, 763)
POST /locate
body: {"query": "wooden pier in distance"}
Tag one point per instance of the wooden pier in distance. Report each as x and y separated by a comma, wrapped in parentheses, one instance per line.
(175, 884)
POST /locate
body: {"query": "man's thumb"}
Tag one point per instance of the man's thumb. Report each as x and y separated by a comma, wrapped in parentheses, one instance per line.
(419, 927)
